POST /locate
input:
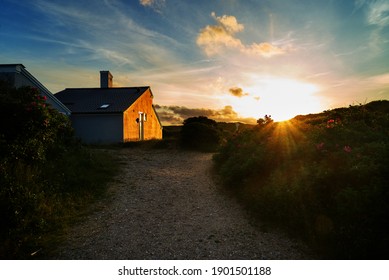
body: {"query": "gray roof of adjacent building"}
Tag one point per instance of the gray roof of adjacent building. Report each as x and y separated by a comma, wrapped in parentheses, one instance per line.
(100, 100)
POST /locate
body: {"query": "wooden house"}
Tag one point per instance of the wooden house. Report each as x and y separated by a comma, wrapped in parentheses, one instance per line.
(112, 114)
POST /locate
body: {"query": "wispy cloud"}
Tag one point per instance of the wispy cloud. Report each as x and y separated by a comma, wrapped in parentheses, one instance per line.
(359, 3)
(108, 17)
(378, 13)
(264, 49)
(66, 14)
(382, 79)
(108, 33)
(213, 39)
(356, 89)
(377, 16)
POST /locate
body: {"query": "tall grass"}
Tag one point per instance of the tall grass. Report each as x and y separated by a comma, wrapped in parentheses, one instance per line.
(324, 177)
(37, 200)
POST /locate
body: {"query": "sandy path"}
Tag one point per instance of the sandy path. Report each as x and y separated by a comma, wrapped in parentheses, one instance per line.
(164, 205)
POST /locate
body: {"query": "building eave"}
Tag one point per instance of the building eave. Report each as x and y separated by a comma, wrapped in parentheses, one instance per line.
(43, 89)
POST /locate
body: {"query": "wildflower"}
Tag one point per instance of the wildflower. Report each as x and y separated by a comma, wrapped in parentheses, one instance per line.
(347, 149)
(330, 123)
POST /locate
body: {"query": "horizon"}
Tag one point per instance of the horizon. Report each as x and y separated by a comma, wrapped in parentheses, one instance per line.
(225, 60)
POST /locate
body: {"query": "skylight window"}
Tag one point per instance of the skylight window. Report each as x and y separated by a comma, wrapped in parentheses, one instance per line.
(104, 106)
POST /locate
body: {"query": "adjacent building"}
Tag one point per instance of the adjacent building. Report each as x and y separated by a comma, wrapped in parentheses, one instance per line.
(18, 76)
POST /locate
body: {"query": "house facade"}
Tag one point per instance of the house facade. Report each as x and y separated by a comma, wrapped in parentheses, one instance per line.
(112, 114)
(18, 76)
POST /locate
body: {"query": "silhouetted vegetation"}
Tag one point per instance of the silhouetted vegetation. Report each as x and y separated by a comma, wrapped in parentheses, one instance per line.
(265, 120)
(200, 133)
(324, 177)
(45, 174)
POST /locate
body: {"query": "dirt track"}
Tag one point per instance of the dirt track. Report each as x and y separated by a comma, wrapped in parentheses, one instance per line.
(165, 205)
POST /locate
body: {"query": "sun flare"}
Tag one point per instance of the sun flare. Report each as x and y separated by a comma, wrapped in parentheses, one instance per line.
(281, 98)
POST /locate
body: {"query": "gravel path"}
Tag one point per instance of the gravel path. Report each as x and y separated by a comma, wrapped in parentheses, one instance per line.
(164, 205)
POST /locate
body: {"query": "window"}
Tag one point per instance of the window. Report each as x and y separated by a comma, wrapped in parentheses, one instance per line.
(104, 106)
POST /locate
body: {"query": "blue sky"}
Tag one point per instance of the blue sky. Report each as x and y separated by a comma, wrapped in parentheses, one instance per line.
(233, 60)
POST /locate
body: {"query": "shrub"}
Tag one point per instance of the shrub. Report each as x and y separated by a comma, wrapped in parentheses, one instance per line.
(45, 174)
(242, 156)
(29, 129)
(200, 133)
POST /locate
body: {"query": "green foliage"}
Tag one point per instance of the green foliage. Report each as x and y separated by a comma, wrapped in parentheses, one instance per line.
(242, 156)
(324, 177)
(45, 174)
(200, 133)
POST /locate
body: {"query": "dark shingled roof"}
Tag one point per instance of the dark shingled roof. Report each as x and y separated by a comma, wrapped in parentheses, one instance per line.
(89, 100)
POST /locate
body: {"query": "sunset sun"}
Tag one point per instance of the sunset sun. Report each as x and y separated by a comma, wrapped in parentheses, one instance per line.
(279, 97)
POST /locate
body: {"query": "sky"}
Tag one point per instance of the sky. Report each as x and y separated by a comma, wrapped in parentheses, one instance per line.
(230, 60)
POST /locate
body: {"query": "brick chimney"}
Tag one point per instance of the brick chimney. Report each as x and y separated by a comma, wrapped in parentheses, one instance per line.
(105, 79)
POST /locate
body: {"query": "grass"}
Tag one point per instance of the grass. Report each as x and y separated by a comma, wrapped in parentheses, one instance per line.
(46, 199)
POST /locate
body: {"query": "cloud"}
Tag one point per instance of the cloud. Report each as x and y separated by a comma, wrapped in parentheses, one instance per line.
(171, 115)
(264, 49)
(213, 39)
(377, 16)
(156, 5)
(382, 79)
(146, 2)
(379, 13)
(238, 92)
(229, 23)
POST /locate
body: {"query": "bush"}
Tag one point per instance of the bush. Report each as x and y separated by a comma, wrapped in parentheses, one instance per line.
(242, 156)
(45, 174)
(324, 177)
(200, 133)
